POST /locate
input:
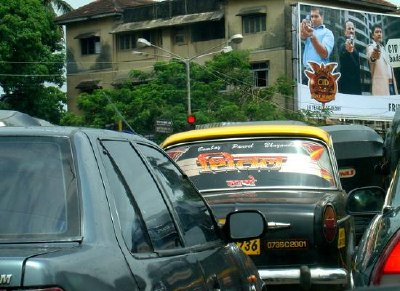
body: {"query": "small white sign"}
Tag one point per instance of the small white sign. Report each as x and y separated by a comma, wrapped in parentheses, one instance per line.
(393, 50)
(163, 126)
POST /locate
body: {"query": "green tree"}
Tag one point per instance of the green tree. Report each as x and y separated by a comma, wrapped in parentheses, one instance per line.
(31, 60)
(59, 5)
(317, 117)
(222, 91)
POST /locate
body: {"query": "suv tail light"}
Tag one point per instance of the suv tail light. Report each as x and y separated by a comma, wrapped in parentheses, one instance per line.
(329, 223)
(387, 269)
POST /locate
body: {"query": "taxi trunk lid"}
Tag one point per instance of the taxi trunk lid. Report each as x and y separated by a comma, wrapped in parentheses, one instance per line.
(294, 223)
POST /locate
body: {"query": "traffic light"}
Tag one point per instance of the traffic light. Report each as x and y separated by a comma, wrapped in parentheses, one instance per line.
(191, 120)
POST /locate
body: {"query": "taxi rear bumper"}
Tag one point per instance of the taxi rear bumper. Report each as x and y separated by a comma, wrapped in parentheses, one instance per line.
(304, 276)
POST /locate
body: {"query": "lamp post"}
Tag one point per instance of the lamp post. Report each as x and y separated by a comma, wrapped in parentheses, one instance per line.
(237, 38)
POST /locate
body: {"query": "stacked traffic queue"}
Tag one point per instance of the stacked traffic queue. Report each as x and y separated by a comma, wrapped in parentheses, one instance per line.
(92, 209)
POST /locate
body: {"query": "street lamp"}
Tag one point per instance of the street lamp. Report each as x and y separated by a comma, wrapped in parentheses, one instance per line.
(236, 38)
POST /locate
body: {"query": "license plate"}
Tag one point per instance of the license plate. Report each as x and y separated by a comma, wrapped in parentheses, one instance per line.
(250, 247)
(341, 238)
(290, 244)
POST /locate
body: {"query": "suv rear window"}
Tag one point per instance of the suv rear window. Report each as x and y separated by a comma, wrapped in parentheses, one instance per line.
(280, 163)
(38, 189)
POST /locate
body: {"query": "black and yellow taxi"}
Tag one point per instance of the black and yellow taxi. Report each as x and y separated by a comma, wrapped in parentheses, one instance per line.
(288, 172)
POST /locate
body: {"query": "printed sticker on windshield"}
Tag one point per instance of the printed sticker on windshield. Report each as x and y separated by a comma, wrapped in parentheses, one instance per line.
(223, 161)
(175, 154)
(327, 176)
(315, 150)
(242, 183)
(317, 154)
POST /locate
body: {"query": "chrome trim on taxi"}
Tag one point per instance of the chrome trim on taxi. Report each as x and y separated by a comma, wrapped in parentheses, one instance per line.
(278, 225)
(343, 220)
(331, 276)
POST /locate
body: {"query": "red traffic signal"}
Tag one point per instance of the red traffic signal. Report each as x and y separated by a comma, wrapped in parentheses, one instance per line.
(191, 119)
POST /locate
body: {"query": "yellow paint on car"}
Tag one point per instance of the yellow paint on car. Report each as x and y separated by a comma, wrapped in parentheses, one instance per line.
(247, 131)
(342, 238)
(250, 247)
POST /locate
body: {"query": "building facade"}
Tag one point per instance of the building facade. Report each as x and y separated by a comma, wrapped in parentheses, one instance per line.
(102, 47)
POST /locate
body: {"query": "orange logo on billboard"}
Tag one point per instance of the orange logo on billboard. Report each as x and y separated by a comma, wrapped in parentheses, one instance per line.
(322, 82)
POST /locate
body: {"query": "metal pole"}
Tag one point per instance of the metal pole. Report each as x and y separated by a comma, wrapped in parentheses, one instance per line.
(189, 105)
(237, 38)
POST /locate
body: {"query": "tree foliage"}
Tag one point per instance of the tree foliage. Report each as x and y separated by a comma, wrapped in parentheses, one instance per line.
(59, 6)
(317, 117)
(222, 91)
(31, 59)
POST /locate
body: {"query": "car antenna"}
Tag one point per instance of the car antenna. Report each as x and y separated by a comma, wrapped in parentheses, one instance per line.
(118, 112)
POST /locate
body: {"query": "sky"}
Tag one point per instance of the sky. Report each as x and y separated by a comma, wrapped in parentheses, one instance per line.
(79, 3)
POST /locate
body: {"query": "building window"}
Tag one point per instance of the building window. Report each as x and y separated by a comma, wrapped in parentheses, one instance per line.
(204, 31)
(126, 41)
(90, 45)
(260, 74)
(179, 36)
(254, 23)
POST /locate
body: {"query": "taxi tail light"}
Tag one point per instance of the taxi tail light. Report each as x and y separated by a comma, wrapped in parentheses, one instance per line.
(387, 269)
(329, 223)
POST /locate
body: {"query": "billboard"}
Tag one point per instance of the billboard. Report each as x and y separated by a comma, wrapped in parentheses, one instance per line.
(348, 62)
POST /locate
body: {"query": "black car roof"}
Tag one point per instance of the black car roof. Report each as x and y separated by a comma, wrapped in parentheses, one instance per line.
(355, 141)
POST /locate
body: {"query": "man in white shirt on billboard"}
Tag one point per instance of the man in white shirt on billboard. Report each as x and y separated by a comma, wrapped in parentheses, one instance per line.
(382, 76)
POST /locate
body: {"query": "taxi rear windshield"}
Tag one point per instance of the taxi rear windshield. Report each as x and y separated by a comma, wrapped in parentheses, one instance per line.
(278, 163)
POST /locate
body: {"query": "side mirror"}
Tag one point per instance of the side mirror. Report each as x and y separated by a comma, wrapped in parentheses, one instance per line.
(244, 225)
(365, 200)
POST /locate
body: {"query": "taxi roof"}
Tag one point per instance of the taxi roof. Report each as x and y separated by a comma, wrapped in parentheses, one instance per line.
(247, 131)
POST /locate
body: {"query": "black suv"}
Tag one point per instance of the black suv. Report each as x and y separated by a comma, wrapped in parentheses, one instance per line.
(91, 209)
